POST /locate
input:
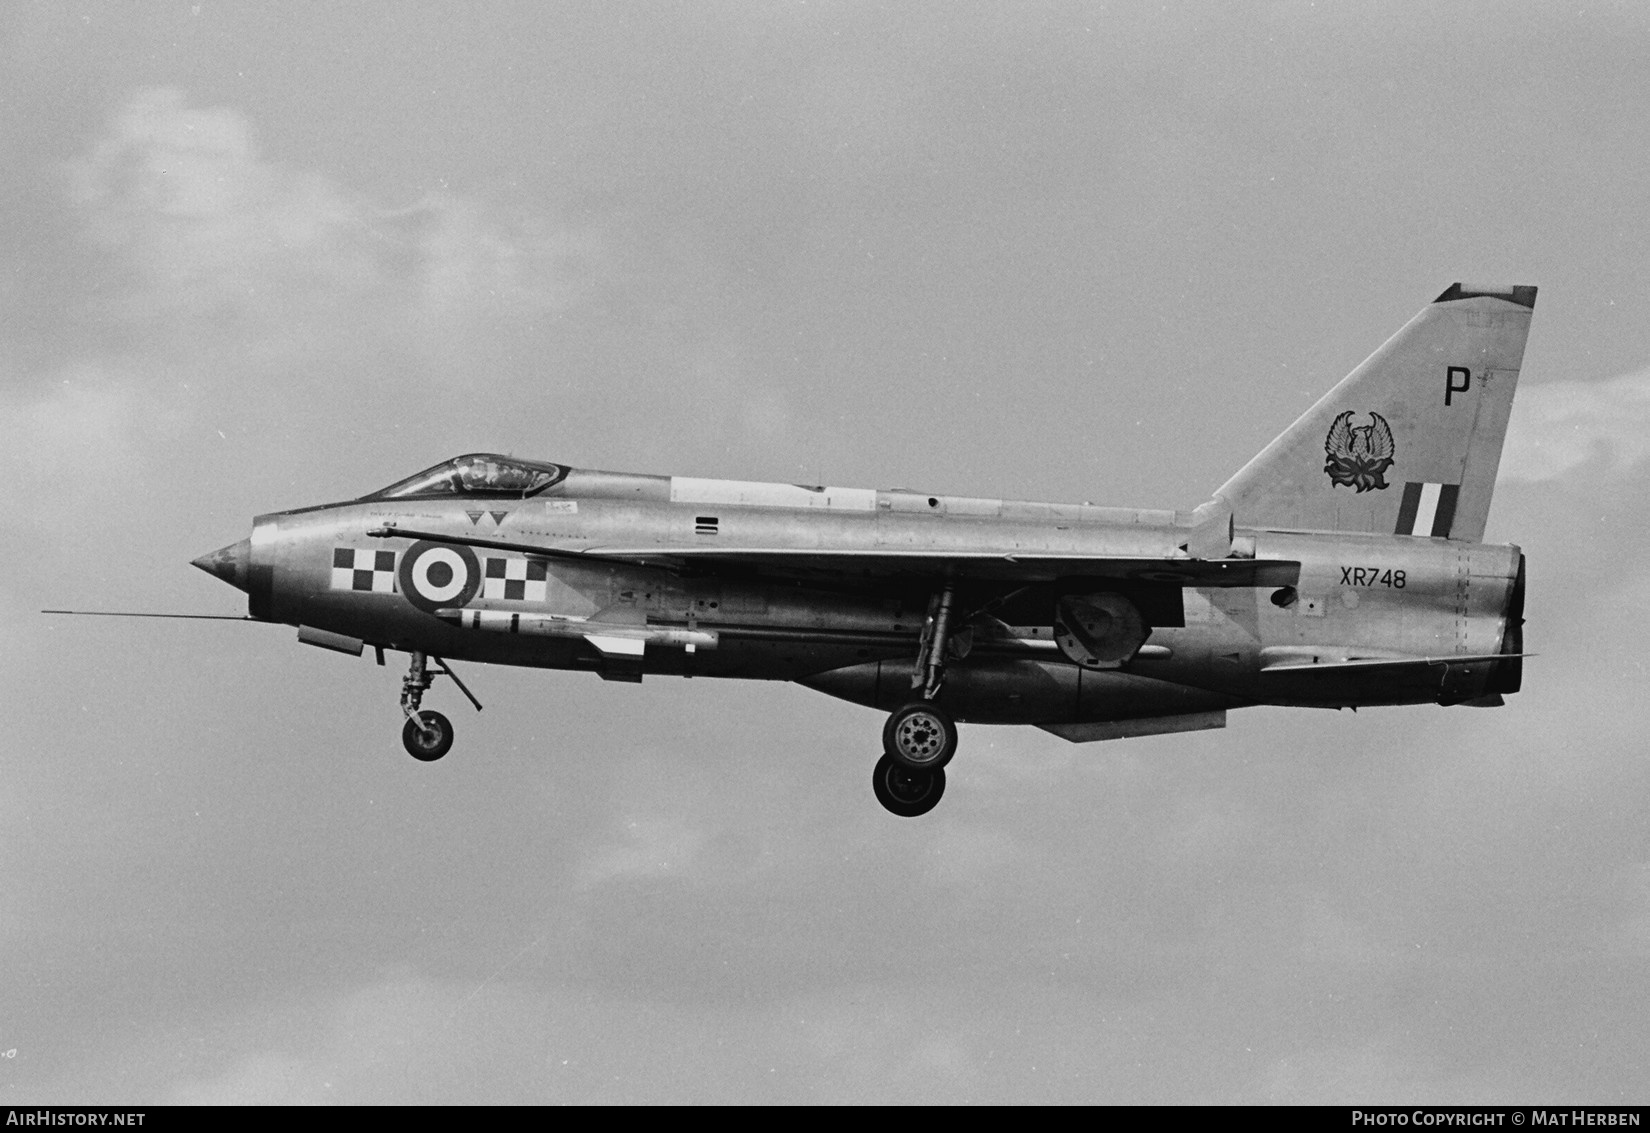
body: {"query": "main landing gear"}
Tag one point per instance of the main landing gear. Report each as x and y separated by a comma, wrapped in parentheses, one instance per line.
(905, 792)
(427, 735)
(920, 737)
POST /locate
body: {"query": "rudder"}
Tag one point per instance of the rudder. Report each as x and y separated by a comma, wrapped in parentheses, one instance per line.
(1409, 442)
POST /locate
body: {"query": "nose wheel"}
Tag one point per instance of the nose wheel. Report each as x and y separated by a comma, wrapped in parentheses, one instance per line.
(427, 735)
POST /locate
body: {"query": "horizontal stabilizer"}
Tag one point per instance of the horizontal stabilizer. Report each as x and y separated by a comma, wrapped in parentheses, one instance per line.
(1291, 661)
(1451, 678)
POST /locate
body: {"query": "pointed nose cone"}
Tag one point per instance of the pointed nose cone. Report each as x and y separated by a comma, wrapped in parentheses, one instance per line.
(229, 563)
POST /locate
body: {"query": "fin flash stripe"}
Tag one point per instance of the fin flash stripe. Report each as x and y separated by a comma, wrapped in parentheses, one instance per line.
(1427, 509)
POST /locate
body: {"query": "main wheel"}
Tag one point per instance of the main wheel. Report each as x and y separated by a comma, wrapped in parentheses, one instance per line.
(905, 792)
(921, 735)
(430, 742)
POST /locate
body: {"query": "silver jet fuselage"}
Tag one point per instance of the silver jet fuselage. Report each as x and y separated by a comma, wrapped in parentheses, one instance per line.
(1324, 612)
(1342, 566)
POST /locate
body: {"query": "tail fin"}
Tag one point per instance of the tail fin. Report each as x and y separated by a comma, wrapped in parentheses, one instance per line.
(1409, 442)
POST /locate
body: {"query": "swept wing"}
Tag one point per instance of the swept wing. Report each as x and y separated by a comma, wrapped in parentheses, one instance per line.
(874, 566)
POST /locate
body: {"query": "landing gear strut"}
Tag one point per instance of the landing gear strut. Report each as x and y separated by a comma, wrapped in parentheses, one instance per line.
(427, 735)
(920, 737)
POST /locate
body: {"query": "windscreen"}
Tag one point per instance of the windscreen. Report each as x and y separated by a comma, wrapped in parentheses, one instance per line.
(479, 474)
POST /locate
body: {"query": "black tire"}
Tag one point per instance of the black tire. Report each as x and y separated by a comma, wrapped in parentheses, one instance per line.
(905, 792)
(921, 735)
(428, 746)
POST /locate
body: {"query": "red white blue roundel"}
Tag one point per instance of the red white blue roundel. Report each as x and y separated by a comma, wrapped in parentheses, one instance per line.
(435, 576)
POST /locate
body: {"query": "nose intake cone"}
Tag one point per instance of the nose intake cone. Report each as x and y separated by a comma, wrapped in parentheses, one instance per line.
(229, 563)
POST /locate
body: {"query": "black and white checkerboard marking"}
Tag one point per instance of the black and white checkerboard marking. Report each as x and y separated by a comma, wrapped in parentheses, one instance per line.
(357, 568)
(518, 580)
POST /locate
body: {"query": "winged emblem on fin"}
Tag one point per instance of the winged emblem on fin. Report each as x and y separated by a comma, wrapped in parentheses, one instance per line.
(1359, 455)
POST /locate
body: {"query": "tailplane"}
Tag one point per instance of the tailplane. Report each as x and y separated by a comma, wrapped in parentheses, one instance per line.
(1409, 442)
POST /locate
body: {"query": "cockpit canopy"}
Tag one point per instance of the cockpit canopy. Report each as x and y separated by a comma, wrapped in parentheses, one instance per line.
(480, 474)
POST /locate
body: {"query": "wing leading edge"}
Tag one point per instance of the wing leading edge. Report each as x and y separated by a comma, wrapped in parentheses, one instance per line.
(880, 565)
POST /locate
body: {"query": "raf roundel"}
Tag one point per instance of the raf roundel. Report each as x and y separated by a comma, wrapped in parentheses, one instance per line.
(436, 576)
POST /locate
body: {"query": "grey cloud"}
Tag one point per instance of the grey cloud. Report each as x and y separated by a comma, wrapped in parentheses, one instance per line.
(231, 298)
(206, 232)
(1560, 427)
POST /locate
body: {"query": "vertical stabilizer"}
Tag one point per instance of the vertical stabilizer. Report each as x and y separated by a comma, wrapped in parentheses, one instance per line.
(1409, 442)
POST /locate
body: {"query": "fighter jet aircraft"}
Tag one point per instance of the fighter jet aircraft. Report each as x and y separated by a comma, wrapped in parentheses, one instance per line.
(1342, 567)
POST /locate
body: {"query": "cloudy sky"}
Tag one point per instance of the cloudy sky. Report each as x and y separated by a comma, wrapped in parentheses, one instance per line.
(256, 256)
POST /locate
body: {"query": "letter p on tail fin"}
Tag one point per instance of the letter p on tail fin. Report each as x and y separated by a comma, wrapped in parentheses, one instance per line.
(1409, 442)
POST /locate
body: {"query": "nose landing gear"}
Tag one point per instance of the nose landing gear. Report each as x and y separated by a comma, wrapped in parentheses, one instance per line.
(427, 735)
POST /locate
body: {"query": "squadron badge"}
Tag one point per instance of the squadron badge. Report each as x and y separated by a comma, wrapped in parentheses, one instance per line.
(1358, 457)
